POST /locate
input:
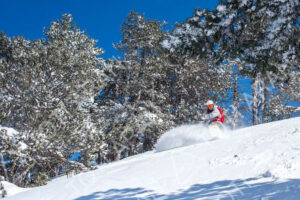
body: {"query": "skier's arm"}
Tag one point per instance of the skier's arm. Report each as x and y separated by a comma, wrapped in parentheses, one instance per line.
(206, 119)
(209, 118)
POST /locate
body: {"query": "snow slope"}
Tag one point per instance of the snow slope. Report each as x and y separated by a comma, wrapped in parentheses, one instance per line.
(259, 162)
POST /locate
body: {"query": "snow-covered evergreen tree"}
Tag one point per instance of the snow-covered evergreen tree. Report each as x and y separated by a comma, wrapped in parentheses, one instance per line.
(263, 34)
(47, 89)
(130, 103)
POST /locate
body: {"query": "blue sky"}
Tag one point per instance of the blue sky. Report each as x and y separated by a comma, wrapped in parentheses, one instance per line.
(100, 18)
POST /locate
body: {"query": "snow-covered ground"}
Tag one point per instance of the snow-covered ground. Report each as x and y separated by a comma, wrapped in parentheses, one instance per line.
(260, 162)
(12, 189)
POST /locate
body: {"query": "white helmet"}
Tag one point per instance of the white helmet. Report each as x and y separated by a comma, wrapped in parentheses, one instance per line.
(209, 102)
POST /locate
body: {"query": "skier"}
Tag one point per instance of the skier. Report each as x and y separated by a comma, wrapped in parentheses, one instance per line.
(214, 114)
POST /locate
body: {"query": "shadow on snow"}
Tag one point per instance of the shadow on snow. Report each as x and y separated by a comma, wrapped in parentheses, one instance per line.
(225, 190)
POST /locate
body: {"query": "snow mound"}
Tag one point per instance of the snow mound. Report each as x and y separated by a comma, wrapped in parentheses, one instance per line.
(12, 189)
(187, 135)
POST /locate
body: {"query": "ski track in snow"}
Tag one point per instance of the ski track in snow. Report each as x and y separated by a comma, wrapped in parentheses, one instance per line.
(259, 162)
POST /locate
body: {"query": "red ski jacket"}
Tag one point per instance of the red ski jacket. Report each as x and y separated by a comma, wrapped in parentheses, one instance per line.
(220, 118)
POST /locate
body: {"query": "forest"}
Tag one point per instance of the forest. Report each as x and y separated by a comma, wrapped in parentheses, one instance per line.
(63, 99)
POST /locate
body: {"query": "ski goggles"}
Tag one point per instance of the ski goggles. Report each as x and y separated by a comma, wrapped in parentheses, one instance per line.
(210, 105)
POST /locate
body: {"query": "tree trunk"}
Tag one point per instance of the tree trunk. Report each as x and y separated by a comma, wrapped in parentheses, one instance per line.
(100, 158)
(258, 89)
(235, 101)
(255, 106)
(263, 98)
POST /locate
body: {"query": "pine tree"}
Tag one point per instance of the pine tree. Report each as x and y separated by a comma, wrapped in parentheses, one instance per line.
(263, 34)
(129, 105)
(47, 92)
